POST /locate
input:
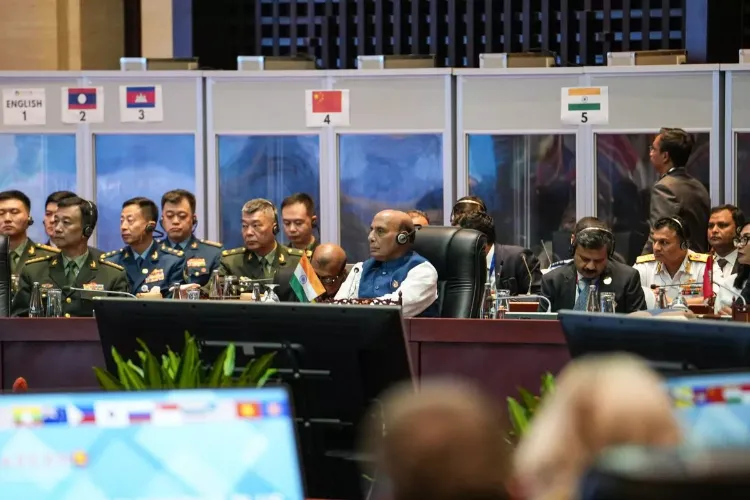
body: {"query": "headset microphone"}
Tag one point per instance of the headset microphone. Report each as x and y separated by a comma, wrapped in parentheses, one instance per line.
(405, 237)
(30, 221)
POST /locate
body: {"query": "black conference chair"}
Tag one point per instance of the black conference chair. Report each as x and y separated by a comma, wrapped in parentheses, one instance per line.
(4, 276)
(458, 256)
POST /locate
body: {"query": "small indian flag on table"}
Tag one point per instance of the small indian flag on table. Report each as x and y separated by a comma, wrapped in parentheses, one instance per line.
(305, 283)
(585, 105)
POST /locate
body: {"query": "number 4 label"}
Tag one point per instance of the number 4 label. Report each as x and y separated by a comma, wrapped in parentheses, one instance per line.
(82, 105)
(327, 108)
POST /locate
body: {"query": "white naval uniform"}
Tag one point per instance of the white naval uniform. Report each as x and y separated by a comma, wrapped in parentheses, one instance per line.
(654, 273)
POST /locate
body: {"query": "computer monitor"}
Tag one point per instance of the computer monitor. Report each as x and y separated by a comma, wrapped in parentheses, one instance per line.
(670, 345)
(226, 443)
(336, 359)
(714, 409)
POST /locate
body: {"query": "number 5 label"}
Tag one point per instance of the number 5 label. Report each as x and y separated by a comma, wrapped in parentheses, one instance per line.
(24, 107)
(585, 105)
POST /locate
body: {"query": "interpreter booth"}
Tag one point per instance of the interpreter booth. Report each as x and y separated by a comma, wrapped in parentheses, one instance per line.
(543, 153)
(393, 149)
(108, 136)
(737, 134)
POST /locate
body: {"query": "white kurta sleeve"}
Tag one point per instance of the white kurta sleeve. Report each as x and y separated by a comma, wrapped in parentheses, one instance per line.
(418, 290)
(349, 289)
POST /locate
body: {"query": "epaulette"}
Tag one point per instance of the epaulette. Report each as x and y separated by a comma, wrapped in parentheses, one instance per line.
(560, 263)
(642, 259)
(698, 257)
(38, 259)
(295, 251)
(233, 251)
(110, 254)
(166, 249)
(309, 253)
(47, 248)
(212, 243)
(112, 264)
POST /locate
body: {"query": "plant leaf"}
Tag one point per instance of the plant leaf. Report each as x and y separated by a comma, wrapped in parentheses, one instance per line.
(134, 379)
(529, 401)
(255, 370)
(107, 381)
(216, 376)
(264, 379)
(230, 360)
(136, 368)
(518, 418)
(548, 384)
(187, 374)
(151, 369)
(121, 370)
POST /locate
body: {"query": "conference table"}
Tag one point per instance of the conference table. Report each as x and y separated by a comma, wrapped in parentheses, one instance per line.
(58, 354)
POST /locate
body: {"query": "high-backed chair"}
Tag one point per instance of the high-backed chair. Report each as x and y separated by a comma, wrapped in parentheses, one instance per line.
(4, 276)
(458, 256)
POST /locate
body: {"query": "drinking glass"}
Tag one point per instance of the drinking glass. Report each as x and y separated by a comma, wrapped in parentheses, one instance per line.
(193, 294)
(607, 302)
(502, 303)
(271, 294)
(54, 303)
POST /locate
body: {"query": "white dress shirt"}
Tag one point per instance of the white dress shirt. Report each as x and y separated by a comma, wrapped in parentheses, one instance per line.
(418, 290)
(490, 258)
(725, 277)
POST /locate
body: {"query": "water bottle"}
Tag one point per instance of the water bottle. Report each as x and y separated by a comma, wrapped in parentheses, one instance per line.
(256, 292)
(592, 302)
(661, 298)
(502, 303)
(36, 309)
(175, 287)
(487, 303)
(214, 286)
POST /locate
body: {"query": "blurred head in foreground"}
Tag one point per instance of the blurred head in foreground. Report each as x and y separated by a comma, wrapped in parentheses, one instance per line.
(446, 442)
(598, 402)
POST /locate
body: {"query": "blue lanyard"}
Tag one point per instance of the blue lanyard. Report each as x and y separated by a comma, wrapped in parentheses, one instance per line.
(492, 265)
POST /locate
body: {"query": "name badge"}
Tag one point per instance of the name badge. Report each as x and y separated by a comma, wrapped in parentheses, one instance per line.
(196, 262)
(94, 287)
(156, 275)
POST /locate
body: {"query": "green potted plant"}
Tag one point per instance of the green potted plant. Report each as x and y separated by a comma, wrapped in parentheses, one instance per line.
(522, 412)
(183, 371)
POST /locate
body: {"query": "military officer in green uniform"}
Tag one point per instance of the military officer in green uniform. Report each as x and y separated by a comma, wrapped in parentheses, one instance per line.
(15, 219)
(75, 266)
(179, 220)
(262, 256)
(299, 219)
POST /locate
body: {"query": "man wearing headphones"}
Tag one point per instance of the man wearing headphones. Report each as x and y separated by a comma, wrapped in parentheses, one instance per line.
(149, 265)
(299, 219)
(672, 264)
(15, 219)
(569, 286)
(262, 256)
(179, 221)
(467, 205)
(394, 269)
(74, 222)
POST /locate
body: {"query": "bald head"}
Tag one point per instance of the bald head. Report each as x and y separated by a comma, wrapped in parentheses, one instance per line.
(329, 262)
(445, 442)
(384, 230)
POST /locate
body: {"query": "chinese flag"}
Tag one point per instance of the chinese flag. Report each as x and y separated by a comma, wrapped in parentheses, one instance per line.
(326, 101)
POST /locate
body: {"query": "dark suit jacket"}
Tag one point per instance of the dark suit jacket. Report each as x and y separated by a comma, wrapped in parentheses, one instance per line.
(514, 271)
(559, 286)
(680, 194)
(284, 290)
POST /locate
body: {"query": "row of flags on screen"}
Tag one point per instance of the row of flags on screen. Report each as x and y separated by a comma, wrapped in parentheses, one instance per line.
(120, 414)
(700, 396)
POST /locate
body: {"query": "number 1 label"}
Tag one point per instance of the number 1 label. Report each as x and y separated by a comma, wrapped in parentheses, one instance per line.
(24, 107)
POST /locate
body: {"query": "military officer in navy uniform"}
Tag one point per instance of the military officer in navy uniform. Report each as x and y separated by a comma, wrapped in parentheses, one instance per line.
(146, 262)
(179, 220)
(76, 266)
(262, 257)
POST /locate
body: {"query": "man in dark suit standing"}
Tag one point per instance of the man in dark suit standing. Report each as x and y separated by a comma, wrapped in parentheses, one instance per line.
(677, 193)
(509, 267)
(568, 286)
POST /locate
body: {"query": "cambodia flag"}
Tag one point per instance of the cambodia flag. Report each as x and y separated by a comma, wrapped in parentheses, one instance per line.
(81, 99)
(140, 97)
(326, 101)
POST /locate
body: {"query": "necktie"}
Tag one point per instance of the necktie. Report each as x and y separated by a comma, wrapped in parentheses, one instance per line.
(72, 272)
(266, 269)
(139, 261)
(722, 263)
(583, 294)
(14, 258)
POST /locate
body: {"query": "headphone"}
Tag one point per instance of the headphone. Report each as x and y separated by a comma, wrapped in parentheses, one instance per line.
(91, 218)
(30, 221)
(405, 237)
(480, 204)
(608, 236)
(679, 229)
(275, 214)
(151, 227)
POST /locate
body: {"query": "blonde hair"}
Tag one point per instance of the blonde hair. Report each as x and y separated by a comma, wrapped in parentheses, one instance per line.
(598, 402)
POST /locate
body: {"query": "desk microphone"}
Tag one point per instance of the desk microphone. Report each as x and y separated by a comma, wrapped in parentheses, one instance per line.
(691, 286)
(531, 278)
(549, 259)
(111, 292)
(518, 298)
(355, 271)
(730, 290)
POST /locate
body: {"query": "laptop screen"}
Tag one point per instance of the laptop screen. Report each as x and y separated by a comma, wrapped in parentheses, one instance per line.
(714, 409)
(234, 444)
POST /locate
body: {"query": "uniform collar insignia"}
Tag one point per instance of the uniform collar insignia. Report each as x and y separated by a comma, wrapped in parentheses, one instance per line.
(92, 265)
(32, 251)
(54, 262)
(126, 255)
(163, 246)
(194, 245)
(155, 255)
(394, 284)
(281, 258)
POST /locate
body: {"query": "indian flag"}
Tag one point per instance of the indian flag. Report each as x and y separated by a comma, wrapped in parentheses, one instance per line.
(584, 99)
(305, 283)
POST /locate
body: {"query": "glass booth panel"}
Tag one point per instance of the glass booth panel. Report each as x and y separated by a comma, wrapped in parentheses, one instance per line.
(129, 165)
(528, 183)
(38, 165)
(378, 172)
(742, 166)
(624, 180)
(271, 167)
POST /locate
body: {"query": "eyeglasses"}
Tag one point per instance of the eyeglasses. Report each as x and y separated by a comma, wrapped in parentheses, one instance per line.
(330, 280)
(742, 240)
